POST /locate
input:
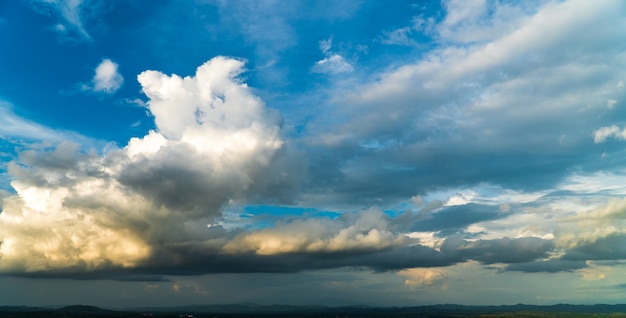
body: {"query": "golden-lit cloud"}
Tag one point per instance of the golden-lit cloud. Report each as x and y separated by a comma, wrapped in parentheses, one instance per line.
(215, 141)
(367, 230)
(418, 277)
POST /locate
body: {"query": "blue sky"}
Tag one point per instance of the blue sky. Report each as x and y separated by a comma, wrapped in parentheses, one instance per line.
(312, 152)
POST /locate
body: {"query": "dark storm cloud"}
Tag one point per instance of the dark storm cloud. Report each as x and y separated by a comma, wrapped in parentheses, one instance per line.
(189, 260)
(406, 169)
(549, 266)
(121, 275)
(190, 263)
(453, 219)
(612, 247)
(142, 278)
(180, 185)
(98, 212)
(504, 250)
(618, 286)
(64, 163)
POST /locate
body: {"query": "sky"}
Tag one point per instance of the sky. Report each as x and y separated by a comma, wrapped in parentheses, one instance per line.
(385, 153)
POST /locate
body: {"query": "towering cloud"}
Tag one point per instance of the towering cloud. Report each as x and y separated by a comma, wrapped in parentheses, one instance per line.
(215, 142)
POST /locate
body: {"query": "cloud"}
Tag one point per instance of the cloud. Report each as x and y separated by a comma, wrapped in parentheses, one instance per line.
(333, 63)
(461, 114)
(457, 127)
(479, 20)
(548, 266)
(461, 14)
(107, 79)
(498, 250)
(80, 212)
(73, 16)
(597, 224)
(610, 247)
(454, 219)
(406, 36)
(142, 211)
(585, 218)
(367, 231)
(326, 45)
(604, 133)
(400, 36)
(417, 277)
(255, 19)
(14, 128)
(289, 259)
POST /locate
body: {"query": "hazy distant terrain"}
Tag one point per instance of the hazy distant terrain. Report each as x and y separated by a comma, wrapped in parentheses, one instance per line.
(252, 310)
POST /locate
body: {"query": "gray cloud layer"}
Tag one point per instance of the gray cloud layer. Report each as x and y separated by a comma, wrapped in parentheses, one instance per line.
(506, 109)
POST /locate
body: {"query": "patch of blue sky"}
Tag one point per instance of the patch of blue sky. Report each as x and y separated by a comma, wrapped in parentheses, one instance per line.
(394, 212)
(8, 153)
(285, 211)
(255, 217)
(49, 92)
(55, 99)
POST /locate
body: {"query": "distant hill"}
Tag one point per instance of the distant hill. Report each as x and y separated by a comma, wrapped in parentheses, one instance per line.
(20, 308)
(83, 309)
(252, 310)
(236, 308)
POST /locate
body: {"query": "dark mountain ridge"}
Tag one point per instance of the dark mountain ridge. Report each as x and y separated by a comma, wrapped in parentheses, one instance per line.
(250, 309)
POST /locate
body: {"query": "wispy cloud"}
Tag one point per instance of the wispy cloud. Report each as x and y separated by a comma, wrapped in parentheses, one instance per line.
(401, 36)
(469, 106)
(406, 36)
(333, 63)
(15, 128)
(72, 16)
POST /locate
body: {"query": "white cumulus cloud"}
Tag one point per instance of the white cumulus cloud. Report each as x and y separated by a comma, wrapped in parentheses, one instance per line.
(604, 133)
(106, 79)
(215, 142)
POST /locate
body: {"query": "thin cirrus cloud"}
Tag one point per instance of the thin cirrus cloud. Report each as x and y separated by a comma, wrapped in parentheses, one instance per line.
(72, 17)
(22, 131)
(332, 63)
